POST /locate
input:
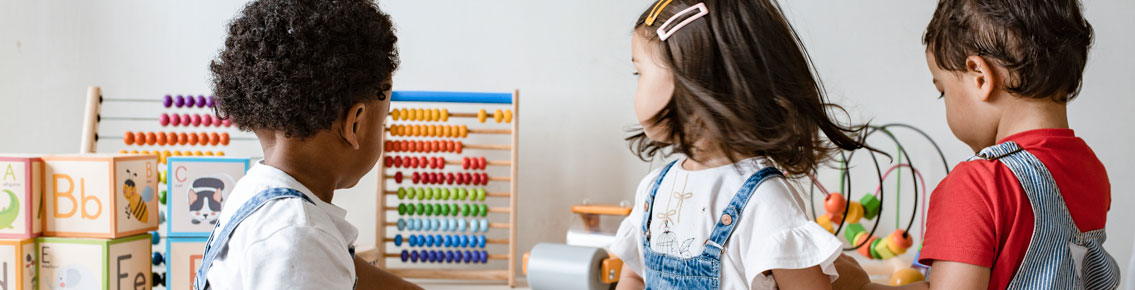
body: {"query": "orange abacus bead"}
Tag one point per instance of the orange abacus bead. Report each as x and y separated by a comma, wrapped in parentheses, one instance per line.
(151, 138)
(431, 130)
(161, 138)
(225, 139)
(128, 138)
(139, 138)
(192, 138)
(434, 146)
(214, 138)
(386, 146)
(182, 138)
(171, 138)
(419, 146)
(458, 147)
(203, 137)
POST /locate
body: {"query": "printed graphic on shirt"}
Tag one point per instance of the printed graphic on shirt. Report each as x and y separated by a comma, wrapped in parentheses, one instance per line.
(671, 242)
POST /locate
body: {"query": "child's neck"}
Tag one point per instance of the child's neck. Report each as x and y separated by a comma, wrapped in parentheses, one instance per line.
(1024, 114)
(307, 162)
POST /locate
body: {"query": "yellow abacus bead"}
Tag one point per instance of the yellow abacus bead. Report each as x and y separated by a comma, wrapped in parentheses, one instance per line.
(198, 153)
(444, 115)
(208, 153)
(446, 131)
(401, 129)
(418, 115)
(431, 131)
(394, 130)
(498, 115)
(415, 130)
(405, 114)
(481, 115)
(508, 116)
(220, 153)
(464, 131)
(123, 152)
(454, 131)
(133, 151)
(394, 114)
(434, 115)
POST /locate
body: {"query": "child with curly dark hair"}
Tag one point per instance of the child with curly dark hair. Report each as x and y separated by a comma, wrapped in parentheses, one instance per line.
(728, 84)
(1028, 210)
(312, 80)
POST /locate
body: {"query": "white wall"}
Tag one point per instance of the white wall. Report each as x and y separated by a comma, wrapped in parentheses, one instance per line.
(570, 60)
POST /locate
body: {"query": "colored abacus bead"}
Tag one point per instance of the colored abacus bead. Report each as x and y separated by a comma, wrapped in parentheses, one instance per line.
(156, 259)
(481, 115)
(398, 177)
(190, 101)
(179, 101)
(225, 138)
(498, 115)
(835, 203)
(398, 239)
(163, 119)
(854, 212)
(167, 101)
(405, 256)
(899, 241)
(211, 102)
(128, 138)
(200, 101)
(871, 206)
(414, 257)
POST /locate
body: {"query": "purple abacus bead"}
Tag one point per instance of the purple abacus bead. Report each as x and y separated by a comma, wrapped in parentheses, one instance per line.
(405, 255)
(433, 256)
(179, 101)
(414, 257)
(424, 255)
(200, 101)
(190, 101)
(210, 102)
(167, 101)
(449, 256)
(457, 256)
(164, 119)
(484, 257)
(196, 120)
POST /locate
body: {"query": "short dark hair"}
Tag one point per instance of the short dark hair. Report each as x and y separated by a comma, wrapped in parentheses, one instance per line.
(1042, 43)
(295, 66)
(742, 80)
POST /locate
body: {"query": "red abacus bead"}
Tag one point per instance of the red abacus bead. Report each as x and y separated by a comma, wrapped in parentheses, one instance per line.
(161, 138)
(458, 147)
(182, 138)
(449, 146)
(163, 119)
(440, 162)
(386, 147)
(438, 177)
(481, 162)
(225, 138)
(465, 162)
(204, 137)
(171, 138)
(398, 177)
(151, 138)
(417, 177)
(460, 178)
(476, 179)
(174, 119)
(435, 146)
(227, 123)
(128, 138)
(413, 162)
(449, 178)
(192, 138)
(423, 162)
(398, 161)
(214, 138)
(195, 120)
(206, 120)
(387, 161)
(484, 178)
(427, 178)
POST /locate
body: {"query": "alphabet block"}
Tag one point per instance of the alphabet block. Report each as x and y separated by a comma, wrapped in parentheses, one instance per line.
(18, 264)
(83, 263)
(101, 196)
(183, 257)
(197, 189)
(21, 185)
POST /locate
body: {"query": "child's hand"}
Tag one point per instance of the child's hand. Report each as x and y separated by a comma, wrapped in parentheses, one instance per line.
(851, 275)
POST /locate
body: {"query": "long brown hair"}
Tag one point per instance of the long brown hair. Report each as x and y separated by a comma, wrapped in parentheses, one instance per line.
(743, 82)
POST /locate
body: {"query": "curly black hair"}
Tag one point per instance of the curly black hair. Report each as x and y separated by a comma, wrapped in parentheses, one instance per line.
(1043, 43)
(295, 66)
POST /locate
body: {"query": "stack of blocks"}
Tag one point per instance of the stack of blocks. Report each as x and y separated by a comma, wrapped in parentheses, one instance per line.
(21, 220)
(197, 188)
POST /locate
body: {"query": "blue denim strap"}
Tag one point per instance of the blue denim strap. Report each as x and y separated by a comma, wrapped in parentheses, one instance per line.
(218, 240)
(722, 231)
(649, 204)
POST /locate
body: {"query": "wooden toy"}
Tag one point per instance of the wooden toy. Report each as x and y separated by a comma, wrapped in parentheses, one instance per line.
(197, 188)
(100, 196)
(450, 217)
(21, 184)
(583, 262)
(18, 264)
(82, 263)
(184, 255)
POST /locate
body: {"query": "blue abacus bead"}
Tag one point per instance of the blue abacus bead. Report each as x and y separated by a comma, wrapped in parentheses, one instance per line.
(484, 225)
(452, 224)
(398, 240)
(479, 258)
(157, 259)
(433, 256)
(413, 241)
(481, 241)
(155, 238)
(484, 256)
(425, 255)
(200, 101)
(414, 256)
(430, 241)
(470, 241)
(449, 256)
(449, 241)
(413, 224)
(167, 101)
(437, 224)
(405, 255)
(461, 225)
(401, 224)
(179, 101)
(468, 256)
(190, 101)
(458, 256)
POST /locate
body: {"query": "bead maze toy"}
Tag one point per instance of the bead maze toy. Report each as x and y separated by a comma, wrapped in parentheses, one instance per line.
(447, 193)
(842, 214)
(583, 262)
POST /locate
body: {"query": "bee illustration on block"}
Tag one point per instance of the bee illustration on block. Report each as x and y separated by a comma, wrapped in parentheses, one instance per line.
(136, 201)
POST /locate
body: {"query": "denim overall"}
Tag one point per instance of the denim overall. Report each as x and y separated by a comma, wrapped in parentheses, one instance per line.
(704, 271)
(213, 247)
(1049, 262)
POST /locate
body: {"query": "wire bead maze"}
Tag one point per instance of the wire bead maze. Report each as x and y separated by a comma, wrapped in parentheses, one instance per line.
(842, 214)
(447, 206)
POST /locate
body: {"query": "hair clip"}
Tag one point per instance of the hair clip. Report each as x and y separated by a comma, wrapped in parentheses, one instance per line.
(664, 34)
(658, 6)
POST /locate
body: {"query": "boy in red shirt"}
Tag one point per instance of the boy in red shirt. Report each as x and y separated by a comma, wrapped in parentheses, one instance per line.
(1028, 211)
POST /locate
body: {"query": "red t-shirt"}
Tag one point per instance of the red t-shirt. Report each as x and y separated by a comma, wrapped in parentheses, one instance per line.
(980, 215)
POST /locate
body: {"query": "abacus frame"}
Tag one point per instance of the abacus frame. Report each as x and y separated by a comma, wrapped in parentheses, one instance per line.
(380, 252)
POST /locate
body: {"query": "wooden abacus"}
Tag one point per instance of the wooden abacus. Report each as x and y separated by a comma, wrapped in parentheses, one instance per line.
(447, 226)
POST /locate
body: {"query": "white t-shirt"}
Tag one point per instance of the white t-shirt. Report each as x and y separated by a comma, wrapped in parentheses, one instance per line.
(286, 244)
(772, 232)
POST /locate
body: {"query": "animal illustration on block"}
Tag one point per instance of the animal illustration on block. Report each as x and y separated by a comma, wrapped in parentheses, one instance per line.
(206, 197)
(136, 201)
(9, 214)
(74, 277)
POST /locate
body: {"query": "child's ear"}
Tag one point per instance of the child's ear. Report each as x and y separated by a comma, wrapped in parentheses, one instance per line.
(352, 122)
(981, 77)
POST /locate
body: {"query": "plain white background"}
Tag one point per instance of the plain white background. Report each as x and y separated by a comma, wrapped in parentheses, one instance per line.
(571, 62)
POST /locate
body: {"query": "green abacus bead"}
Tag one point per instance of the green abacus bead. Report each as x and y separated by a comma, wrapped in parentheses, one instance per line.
(465, 209)
(444, 210)
(446, 193)
(162, 197)
(410, 209)
(437, 194)
(401, 209)
(464, 194)
(474, 210)
(481, 194)
(421, 193)
(429, 210)
(401, 193)
(438, 208)
(421, 209)
(453, 208)
(484, 209)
